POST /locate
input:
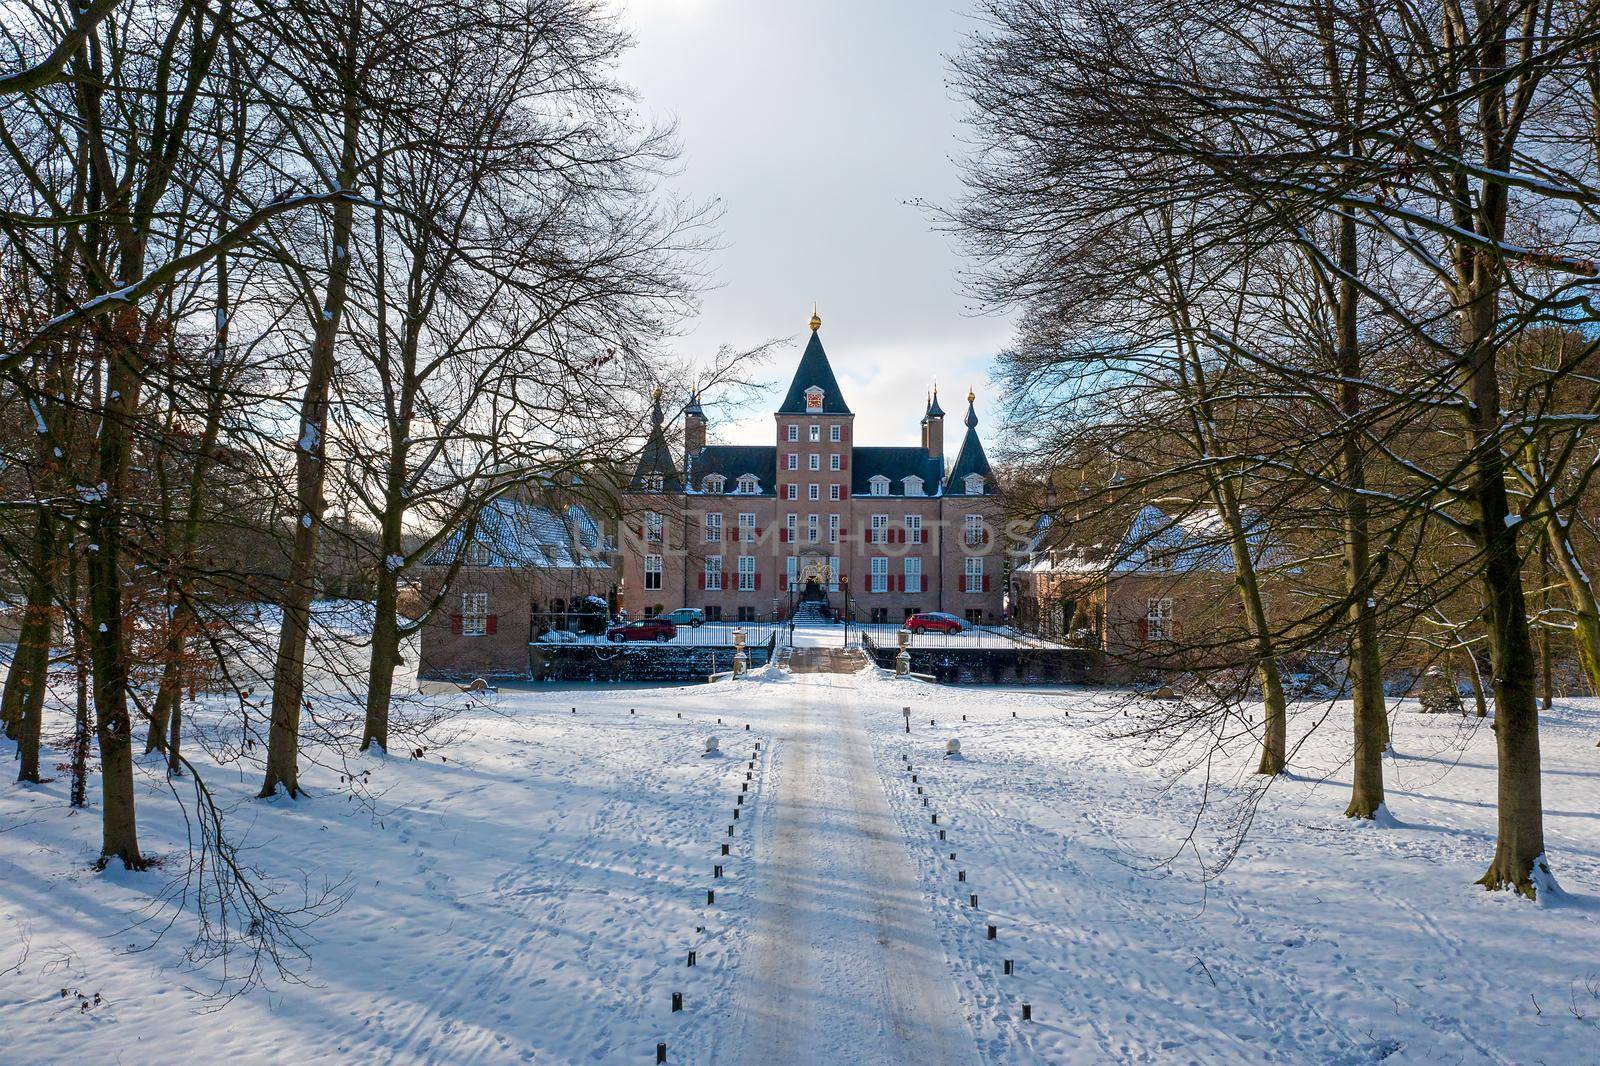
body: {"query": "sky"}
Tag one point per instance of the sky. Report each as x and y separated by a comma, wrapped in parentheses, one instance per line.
(813, 124)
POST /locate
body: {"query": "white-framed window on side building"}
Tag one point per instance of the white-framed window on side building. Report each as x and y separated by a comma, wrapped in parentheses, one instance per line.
(747, 528)
(652, 527)
(652, 573)
(834, 461)
(834, 434)
(474, 614)
(747, 573)
(815, 461)
(792, 461)
(974, 529)
(833, 529)
(913, 574)
(792, 524)
(792, 572)
(914, 528)
(974, 573)
(477, 553)
(880, 573)
(713, 527)
(793, 432)
(713, 573)
(833, 492)
(813, 492)
(1158, 618)
(880, 528)
(816, 434)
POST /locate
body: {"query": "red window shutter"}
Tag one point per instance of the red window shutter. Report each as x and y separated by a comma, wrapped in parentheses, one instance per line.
(490, 624)
(783, 535)
(758, 582)
(986, 582)
(1144, 629)
(702, 579)
(844, 461)
(455, 624)
(844, 432)
(844, 492)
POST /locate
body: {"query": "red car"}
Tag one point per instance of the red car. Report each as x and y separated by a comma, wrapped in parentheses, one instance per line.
(934, 622)
(659, 630)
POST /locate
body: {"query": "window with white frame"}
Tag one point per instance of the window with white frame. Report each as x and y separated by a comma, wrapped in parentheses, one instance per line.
(652, 526)
(792, 572)
(793, 432)
(714, 483)
(792, 524)
(713, 573)
(833, 492)
(655, 483)
(974, 529)
(652, 573)
(816, 434)
(792, 460)
(477, 554)
(814, 399)
(879, 485)
(880, 528)
(813, 491)
(913, 485)
(833, 529)
(833, 434)
(749, 483)
(1158, 618)
(913, 573)
(747, 527)
(833, 461)
(914, 528)
(880, 574)
(974, 573)
(974, 484)
(747, 573)
(474, 614)
(713, 527)
(815, 461)
(812, 531)
(833, 573)
(792, 491)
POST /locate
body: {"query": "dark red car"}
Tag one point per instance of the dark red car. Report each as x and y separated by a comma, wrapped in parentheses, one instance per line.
(659, 630)
(934, 622)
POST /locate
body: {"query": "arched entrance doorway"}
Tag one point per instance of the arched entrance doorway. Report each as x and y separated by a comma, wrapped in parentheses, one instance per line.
(814, 579)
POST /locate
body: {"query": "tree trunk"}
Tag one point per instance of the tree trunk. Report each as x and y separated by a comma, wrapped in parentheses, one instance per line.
(1476, 676)
(1519, 840)
(385, 656)
(1580, 594)
(80, 669)
(288, 674)
(41, 609)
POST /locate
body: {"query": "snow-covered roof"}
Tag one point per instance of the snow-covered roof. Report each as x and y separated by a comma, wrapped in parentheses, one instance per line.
(1155, 542)
(515, 533)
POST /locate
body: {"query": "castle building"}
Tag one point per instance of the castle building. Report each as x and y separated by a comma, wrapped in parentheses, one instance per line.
(750, 532)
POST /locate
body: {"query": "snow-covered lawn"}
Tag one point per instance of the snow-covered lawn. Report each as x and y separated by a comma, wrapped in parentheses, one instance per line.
(531, 890)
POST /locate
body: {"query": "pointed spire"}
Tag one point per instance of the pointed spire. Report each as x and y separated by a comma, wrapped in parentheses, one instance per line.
(972, 414)
(693, 407)
(656, 417)
(814, 373)
(934, 410)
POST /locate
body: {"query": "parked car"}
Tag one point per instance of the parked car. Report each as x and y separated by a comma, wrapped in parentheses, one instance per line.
(693, 617)
(659, 630)
(934, 622)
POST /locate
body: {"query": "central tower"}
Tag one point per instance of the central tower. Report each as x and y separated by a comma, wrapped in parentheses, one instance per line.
(814, 428)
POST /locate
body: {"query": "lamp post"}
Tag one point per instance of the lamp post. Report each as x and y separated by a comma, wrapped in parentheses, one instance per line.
(844, 583)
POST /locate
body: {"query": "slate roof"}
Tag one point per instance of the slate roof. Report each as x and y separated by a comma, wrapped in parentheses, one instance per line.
(732, 461)
(969, 460)
(656, 457)
(525, 535)
(896, 464)
(814, 369)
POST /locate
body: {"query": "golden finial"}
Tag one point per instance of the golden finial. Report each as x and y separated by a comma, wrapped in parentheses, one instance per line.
(655, 394)
(816, 319)
(971, 396)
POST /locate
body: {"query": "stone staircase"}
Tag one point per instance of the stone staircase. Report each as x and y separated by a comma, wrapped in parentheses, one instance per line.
(810, 614)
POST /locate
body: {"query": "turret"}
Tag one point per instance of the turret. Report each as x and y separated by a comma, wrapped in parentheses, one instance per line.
(694, 426)
(933, 427)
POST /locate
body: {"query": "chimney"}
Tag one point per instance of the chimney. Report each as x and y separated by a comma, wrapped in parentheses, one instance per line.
(933, 428)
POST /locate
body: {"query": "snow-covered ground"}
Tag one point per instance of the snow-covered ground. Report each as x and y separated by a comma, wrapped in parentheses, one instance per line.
(531, 891)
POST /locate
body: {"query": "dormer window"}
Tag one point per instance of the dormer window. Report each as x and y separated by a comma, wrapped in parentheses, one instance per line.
(974, 484)
(913, 485)
(879, 485)
(655, 483)
(714, 483)
(749, 483)
(477, 554)
(814, 398)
